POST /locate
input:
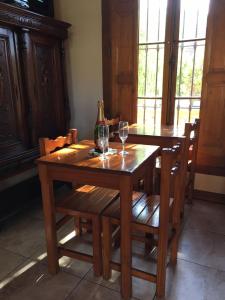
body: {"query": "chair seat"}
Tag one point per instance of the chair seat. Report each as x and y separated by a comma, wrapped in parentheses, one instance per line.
(87, 199)
(145, 209)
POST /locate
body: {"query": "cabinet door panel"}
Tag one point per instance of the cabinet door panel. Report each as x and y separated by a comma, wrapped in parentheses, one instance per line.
(45, 86)
(11, 114)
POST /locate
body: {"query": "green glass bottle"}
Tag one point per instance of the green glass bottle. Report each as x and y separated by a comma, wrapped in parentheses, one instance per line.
(100, 121)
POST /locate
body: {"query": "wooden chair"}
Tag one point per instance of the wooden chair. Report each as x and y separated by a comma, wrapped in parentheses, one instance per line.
(152, 215)
(83, 203)
(192, 132)
(47, 146)
(113, 126)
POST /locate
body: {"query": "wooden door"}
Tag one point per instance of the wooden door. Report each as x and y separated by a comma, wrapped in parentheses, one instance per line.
(120, 42)
(43, 70)
(211, 151)
(12, 118)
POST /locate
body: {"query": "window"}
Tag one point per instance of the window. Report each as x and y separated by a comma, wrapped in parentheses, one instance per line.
(170, 61)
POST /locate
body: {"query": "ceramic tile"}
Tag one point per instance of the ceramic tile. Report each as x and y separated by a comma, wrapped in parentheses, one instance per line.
(199, 273)
(23, 236)
(207, 216)
(89, 291)
(205, 248)
(191, 281)
(141, 289)
(9, 261)
(32, 281)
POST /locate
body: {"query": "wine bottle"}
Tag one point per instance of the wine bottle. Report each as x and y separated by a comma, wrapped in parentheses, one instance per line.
(100, 121)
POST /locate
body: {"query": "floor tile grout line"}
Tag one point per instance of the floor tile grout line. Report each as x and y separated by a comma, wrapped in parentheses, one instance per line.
(203, 231)
(195, 263)
(73, 289)
(71, 273)
(15, 253)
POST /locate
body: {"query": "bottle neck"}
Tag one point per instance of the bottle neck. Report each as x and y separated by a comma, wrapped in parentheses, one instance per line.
(100, 117)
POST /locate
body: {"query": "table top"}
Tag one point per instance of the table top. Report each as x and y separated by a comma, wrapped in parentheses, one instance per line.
(77, 156)
(160, 131)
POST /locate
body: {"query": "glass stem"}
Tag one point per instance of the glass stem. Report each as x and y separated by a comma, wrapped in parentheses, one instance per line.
(123, 147)
(103, 152)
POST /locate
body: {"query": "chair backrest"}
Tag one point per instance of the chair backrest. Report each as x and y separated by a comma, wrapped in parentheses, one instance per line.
(172, 176)
(192, 132)
(113, 126)
(50, 145)
(112, 122)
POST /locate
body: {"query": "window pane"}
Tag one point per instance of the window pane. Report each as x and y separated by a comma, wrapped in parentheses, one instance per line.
(198, 72)
(141, 110)
(149, 111)
(193, 19)
(142, 71)
(154, 71)
(190, 68)
(186, 110)
(152, 20)
(143, 17)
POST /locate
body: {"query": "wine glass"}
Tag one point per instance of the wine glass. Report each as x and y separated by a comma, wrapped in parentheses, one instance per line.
(123, 134)
(103, 139)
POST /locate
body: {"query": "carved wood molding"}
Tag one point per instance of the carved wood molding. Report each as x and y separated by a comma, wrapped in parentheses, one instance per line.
(10, 15)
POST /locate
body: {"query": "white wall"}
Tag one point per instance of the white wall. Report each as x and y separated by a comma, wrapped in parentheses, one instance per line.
(209, 183)
(84, 60)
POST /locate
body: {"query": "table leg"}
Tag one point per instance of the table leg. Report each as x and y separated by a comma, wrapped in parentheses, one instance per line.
(49, 216)
(149, 189)
(126, 256)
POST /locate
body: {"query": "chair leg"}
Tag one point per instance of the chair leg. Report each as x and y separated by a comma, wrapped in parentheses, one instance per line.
(190, 191)
(174, 248)
(106, 247)
(176, 226)
(97, 249)
(161, 264)
(78, 226)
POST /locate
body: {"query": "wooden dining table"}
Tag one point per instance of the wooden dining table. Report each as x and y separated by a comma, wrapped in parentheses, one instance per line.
(162, 135)
(76, 164)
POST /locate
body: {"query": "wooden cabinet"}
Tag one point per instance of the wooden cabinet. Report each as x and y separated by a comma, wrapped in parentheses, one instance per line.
(12, 125)
(33, 99)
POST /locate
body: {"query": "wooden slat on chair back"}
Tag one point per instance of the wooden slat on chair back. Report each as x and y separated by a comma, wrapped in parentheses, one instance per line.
(192, 134)
(112, 122)
(113, 126)
(49, 145)
(172, 168)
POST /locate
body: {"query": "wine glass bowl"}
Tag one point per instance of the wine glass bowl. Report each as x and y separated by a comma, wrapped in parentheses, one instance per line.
(103, 139)
(123, 134)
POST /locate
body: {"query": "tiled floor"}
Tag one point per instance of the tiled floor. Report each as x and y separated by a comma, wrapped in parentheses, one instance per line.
(199, 274)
